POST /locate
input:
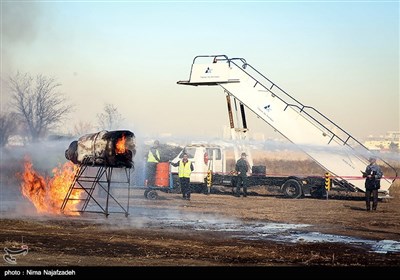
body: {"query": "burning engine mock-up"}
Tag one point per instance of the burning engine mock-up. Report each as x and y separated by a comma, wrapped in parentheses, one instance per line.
(104, 148)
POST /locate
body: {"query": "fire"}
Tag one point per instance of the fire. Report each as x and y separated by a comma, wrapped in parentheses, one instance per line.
(47, 194)
(120, 146)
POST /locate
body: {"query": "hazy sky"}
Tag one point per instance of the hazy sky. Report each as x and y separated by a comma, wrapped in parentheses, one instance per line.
(340, 57)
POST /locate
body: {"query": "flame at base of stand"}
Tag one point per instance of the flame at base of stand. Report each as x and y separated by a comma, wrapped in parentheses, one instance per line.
(47, 194)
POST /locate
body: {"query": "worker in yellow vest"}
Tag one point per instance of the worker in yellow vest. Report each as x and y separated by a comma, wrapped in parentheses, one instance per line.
(153, 157)
(184, 171)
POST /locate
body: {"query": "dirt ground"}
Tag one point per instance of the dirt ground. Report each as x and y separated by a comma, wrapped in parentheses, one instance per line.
(263, 229)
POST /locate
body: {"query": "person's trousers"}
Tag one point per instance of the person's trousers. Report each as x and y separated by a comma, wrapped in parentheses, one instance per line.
(185, 187)
(241, 181)
(374, 194)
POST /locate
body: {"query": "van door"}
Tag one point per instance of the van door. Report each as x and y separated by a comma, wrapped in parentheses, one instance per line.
(200, 167)
(196, 156)
(215, 158)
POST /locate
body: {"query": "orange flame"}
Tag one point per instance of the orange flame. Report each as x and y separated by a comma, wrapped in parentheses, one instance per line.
(47, 194)
(120, 146)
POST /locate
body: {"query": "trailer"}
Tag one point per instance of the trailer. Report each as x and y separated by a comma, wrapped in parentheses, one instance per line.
(211, 170)
(163, 182)
(289, 186)
(333, 148)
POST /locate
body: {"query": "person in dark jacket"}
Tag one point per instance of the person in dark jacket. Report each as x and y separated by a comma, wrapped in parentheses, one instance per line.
(153, 158)
(242, 168)
(184, 171)
(372, 175)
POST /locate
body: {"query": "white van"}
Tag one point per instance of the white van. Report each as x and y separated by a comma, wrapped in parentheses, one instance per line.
(204, 157)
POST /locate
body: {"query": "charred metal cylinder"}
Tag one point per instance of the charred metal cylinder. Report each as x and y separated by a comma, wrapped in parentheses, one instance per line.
(104, 148)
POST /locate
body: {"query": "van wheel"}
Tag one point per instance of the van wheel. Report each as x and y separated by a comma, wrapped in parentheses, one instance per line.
(152, 195)
(292, 189)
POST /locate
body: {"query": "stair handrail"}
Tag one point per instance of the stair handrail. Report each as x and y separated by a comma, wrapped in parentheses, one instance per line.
(302, 107)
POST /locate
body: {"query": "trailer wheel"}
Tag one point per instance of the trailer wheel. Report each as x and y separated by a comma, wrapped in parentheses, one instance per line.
(292, 188)
(152, 195)
(146, 192)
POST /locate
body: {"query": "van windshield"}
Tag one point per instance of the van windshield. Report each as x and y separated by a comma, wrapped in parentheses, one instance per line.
(190, 152)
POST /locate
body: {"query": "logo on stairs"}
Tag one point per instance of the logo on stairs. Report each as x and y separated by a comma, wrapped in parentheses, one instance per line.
(265, 110)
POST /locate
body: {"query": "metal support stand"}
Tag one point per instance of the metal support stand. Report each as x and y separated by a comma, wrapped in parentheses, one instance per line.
(85, 184)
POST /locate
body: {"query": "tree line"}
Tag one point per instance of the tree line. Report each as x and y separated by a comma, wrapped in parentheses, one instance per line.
(38, 107)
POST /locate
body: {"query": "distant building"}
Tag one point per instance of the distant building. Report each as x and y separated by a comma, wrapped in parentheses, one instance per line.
(389, 142)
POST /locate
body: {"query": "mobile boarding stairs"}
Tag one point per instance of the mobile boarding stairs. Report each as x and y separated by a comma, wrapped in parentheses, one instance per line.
(329, 145)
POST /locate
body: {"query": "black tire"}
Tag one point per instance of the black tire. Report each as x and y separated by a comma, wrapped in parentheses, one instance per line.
(146, 192)
(152, 195)
(292, 188)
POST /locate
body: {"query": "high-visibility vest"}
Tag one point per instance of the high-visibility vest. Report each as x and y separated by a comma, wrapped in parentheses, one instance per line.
(151, 158)
(184, 169)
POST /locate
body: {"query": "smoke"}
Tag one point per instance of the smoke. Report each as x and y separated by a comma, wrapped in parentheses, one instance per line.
(20, 21)
(49, 154)
(146, 214)
(20, 27)
(44, 156)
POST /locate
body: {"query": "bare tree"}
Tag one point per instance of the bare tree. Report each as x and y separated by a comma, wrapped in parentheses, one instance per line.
(110, 119)
(8, 125)
(38, 102)
(82, 128)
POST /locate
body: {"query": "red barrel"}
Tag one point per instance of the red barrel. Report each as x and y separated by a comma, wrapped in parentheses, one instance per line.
(162, 174)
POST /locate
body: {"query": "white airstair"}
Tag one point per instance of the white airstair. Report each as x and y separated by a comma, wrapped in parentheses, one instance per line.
(329, 145)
